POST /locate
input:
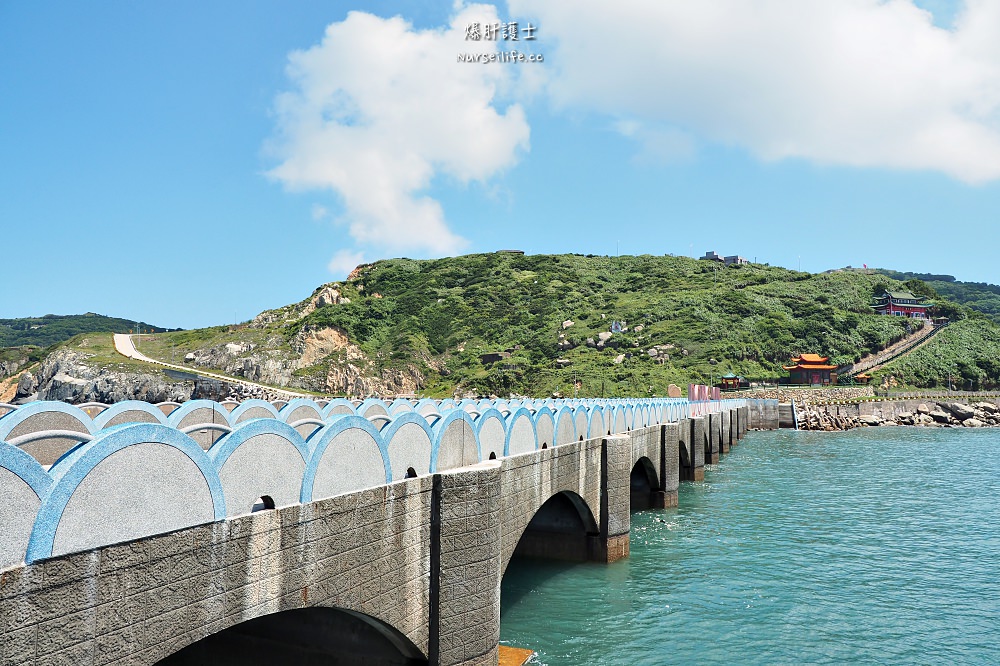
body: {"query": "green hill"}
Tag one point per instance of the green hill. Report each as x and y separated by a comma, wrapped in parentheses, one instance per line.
(979, 296)
(491, 323)
(52, 329)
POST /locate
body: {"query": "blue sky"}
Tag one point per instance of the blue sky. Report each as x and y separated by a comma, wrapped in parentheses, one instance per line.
(190, 164)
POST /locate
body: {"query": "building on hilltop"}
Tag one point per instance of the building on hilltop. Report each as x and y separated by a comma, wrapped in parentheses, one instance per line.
(901, 304)
(811, 369)
(733, 260)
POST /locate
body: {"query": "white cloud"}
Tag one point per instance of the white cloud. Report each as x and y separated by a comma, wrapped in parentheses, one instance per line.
(659, 145)
(380, 109)
(319, 212)
(345, 261)
(869, 83)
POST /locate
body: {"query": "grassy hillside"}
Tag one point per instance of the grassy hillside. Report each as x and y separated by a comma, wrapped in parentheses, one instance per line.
(748, 319)
(967, 352)
(699, 319)
(52, 329)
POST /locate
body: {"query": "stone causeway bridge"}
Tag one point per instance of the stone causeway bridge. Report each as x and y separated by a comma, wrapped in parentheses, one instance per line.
(316, 532)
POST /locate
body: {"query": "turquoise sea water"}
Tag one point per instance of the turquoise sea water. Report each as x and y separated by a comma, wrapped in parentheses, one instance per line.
(874, 546)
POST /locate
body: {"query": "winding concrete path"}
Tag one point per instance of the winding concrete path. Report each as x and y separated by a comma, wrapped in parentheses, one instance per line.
(896, 351)
(125, 346)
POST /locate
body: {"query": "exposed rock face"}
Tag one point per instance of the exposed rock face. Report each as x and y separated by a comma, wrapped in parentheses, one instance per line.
(11, 368)
(351, 380)
(66, 376)
(332, 364)
(316, 344)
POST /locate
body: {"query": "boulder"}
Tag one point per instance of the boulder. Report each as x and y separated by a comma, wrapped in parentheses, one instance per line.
(26, 385)
(604, 336)
(190, 357)
(940, 416)
(973, 423)
(639, 328)
(619, 359)
(923, 409)
(958, 410)
(987, 407)
(591, 342)
(870, 420)
(566, 324)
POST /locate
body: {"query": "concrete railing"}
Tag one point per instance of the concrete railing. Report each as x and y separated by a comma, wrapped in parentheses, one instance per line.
(136, 469)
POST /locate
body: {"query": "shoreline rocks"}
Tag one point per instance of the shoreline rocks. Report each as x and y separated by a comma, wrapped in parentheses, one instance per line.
(936, 415)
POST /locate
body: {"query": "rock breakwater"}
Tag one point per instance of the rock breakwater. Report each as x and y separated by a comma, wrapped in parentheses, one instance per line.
(933, 414)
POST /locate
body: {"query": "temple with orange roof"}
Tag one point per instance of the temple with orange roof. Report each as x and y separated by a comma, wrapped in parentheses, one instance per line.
(811, 369)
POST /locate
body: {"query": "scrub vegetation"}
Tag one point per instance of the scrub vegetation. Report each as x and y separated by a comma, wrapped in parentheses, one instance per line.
(493, 323)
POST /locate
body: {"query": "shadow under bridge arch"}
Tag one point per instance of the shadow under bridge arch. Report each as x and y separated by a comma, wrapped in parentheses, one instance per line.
(305, 637)
(644, 486)
(563, 528)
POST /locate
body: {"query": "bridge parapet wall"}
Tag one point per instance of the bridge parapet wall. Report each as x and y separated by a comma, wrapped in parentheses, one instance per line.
(141, 601)
(266, 459)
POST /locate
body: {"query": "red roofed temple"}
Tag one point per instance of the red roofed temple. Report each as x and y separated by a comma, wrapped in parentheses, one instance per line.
(811, 369)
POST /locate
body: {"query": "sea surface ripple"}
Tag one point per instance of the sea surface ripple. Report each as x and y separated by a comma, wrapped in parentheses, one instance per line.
(874, 546)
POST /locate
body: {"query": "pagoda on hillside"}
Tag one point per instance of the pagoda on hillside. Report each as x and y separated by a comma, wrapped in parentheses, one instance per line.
(811, 369)
(901, 304)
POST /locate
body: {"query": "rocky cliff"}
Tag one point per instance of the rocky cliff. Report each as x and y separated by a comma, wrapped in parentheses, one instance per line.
(66, 375)
(322, 360)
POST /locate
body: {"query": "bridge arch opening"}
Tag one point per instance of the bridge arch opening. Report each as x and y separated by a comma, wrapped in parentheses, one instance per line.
(563, 531)
(263, 503)
(563, 528)
(493, 455)
(685, 466)
(316, 635)
(410, 473)
(643, 484)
